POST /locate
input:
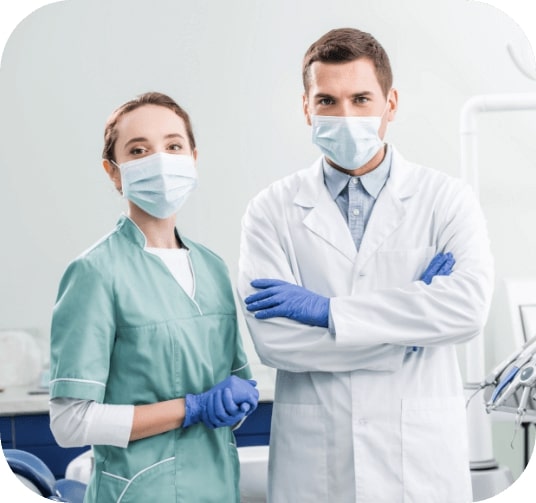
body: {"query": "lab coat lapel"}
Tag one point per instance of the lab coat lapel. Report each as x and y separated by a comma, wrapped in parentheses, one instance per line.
(389, 210)
(323, 217)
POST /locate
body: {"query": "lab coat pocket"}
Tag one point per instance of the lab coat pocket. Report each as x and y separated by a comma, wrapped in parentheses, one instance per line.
(298, 464)
(435, 457)
(153, 483)
(398, 268)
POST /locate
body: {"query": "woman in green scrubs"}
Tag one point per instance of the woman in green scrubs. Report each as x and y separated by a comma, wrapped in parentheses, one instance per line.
(147, 363)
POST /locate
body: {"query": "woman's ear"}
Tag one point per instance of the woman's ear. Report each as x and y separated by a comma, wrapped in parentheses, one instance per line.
(113, 172)
(108, 167)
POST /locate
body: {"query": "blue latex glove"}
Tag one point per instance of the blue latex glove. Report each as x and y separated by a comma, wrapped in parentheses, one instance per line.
(225, 404)
(222, 410)
(230, 402)
(281, 299)
(440, 265)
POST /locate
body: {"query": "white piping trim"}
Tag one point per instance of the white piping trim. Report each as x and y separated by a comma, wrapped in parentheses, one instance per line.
(78, 380)
(115, 476)
(240, 368)
(194, 285)
(136, 225)
(139, 473)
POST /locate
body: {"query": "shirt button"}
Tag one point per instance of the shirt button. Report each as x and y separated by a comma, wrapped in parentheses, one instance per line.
(356, 212)
(355, 180)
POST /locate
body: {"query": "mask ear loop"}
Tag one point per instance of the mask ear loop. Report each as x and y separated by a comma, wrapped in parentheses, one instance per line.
(386, 109)
(117, 166)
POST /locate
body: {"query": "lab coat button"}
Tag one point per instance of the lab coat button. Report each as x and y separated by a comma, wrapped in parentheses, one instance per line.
(363, 422)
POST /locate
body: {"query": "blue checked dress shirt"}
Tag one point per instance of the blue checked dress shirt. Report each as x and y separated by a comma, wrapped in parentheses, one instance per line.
(356, 195)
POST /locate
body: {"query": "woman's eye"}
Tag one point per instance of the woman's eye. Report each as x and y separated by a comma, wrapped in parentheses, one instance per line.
(175, 146)
(137, 151)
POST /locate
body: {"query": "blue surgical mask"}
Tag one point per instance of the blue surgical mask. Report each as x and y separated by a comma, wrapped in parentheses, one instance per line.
(159, 183)
(350, 142)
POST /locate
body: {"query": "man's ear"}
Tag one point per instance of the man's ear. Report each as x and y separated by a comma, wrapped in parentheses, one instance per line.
(306, 112)
(393, 104)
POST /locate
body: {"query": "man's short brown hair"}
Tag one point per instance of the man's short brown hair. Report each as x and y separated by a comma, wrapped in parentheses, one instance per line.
(348, 44)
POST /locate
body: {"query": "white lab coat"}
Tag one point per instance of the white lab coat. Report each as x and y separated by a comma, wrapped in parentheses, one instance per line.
(359, 416)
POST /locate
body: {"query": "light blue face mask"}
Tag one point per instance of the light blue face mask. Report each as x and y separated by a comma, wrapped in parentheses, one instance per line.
(350, 142)
(159, 183)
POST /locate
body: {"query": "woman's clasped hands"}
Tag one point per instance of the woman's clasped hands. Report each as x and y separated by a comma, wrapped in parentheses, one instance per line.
(225, 404)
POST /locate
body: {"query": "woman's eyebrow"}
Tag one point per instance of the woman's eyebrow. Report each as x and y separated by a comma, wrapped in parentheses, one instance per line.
(174, 135)
(139, 139)
(135, 140)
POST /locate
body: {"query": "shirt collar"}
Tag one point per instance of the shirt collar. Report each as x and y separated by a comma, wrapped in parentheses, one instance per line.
(128, 227)
(373, 181)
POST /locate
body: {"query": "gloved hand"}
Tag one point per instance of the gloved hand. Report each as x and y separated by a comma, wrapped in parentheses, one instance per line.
(279, 298)
(440, 265)
(231, 401)
(225, 404)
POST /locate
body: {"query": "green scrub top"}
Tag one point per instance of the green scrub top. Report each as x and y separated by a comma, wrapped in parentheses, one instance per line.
(125, 332)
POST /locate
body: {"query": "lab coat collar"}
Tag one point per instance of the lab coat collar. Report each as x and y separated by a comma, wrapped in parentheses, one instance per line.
(326, 220)
(402, 181)
(390, 208)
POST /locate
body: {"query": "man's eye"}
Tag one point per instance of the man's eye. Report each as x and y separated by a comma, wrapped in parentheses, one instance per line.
(326, 101)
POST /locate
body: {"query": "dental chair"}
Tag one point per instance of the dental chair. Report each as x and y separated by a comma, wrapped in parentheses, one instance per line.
(36, 475)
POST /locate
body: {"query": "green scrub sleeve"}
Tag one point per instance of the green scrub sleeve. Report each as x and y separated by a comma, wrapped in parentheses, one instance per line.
(240, 366)
(82, 333)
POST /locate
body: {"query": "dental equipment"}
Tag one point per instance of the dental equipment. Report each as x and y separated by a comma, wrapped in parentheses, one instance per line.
(481, 452)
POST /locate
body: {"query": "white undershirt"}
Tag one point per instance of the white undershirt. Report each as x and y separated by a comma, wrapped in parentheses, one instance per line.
(177, 261)
(77, 422)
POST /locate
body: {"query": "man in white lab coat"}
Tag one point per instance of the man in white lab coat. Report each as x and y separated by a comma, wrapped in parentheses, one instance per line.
(369, 403)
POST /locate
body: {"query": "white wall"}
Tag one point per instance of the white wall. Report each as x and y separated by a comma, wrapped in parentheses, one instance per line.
(235, 66)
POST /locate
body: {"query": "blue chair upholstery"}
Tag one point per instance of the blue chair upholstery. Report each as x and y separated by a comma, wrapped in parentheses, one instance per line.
(33, 469)
(72, 491)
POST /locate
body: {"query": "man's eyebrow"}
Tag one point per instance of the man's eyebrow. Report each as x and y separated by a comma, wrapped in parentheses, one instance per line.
(355, 95)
